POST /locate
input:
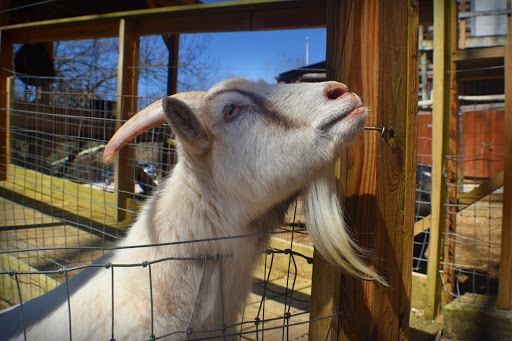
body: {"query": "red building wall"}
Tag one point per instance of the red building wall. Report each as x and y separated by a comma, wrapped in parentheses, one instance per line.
(483, 142)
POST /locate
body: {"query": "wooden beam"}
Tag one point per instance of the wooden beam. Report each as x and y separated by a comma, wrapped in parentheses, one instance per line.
(325, 287)
(485, 13)
(505, 284)
(64, 199)
(30, 285)
(6, 65)
(462, 26)
(444, 11)
(486, 188)
(478, 53)
(378, 174)
(6, 149)
(426, 9)
(172, 41)
(469, 198)
(452, 169)
(218, 17)
(127, 79)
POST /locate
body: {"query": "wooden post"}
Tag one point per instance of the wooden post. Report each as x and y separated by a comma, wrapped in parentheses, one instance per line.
(10, 94)
(127, 78)
(453, 167)
(462, 26)
(172, 41)
(423, 66)
(444, 11)
(325, 296)
(505, 284)
(6, 64)
(378, 172)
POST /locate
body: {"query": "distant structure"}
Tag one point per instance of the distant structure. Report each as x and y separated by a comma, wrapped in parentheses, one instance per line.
(311, 73)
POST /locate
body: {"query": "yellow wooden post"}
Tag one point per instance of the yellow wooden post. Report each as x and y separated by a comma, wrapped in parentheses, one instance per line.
(10, 94)
(505, 284)
(127, 78)
(444, 12)
(5, 65)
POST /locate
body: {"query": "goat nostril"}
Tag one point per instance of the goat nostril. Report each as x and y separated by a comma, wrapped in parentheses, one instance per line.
(334, 91)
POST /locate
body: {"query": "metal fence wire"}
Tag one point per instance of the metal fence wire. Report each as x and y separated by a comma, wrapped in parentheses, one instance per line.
(474, 219)
(58, 214)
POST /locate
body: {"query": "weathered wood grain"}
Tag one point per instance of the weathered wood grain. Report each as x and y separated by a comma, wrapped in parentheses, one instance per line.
(505, 284)
(221, 17)
(5, 66)
(441, 120)
(67, 199)
(127, 82)
(372, 47)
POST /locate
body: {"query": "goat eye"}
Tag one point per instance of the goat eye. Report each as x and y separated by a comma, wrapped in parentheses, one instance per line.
(231, 111)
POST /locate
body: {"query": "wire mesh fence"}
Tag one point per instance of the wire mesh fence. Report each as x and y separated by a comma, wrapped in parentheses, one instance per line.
(474, 202)
(59, 212)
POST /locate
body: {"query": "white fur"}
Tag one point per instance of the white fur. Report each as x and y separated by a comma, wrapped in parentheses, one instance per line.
(237, 179)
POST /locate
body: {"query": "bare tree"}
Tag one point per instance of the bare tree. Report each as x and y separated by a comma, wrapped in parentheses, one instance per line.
(89, 67)
(195, 70)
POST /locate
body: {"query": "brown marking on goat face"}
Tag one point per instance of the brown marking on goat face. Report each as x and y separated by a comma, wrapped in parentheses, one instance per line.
(272, 115)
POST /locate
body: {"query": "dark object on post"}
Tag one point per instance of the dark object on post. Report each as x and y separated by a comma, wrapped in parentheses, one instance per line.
(34, 60)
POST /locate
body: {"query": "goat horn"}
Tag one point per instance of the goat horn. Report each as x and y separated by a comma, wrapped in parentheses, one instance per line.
(150, 117)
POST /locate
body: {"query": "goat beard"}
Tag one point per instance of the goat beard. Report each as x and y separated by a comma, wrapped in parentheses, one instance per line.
(328, 230)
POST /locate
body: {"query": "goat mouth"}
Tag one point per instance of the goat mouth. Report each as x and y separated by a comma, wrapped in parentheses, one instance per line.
(329, 124)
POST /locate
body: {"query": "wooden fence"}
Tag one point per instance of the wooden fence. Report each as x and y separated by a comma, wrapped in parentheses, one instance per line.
(377, 175)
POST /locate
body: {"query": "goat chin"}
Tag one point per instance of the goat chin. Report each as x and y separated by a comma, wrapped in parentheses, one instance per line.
(328, 231)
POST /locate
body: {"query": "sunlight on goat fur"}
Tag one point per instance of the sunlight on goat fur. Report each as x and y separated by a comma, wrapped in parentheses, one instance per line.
(246, 151)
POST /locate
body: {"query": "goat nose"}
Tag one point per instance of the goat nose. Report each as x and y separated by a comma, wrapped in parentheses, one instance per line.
(335, 90)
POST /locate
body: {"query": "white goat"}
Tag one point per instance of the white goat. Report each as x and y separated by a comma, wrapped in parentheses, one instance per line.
(246, 150)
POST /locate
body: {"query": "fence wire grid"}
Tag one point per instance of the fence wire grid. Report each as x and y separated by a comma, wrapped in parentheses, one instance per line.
(474, 202)
(58, 213)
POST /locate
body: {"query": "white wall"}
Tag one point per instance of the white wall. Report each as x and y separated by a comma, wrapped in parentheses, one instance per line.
(489, 25)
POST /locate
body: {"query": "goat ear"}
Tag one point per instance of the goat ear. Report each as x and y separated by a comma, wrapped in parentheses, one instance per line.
(185, 124)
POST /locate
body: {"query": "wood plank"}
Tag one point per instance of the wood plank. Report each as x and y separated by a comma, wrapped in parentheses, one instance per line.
(200, 18)
(6, 148)
(378, 173)
(54, 239)
(63, 197)
(462, 26)
(467, 199)
(483, 190)
(282, 261)
(6, 64)
(426, 9)
(505, 284)
(419, 285)
(172, 41)
(452, 168)
(31, 285)
(478, 53)
(326, 278)
(440, 145)
(325, 300)
(410, 130)
(75, 196)
(325, 290)
(127, 81)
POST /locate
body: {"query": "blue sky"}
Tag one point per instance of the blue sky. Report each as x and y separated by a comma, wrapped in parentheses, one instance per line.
(264, 54)
(255, 55)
